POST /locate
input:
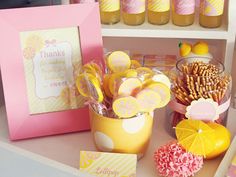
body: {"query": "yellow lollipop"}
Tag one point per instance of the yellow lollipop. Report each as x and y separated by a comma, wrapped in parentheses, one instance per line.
(118, 61)
(148, 100)
(126, 107)
(93, 69)
(144, 73)
(162, 78)
(135, 64)
(128, 86)
(105, 85)
(130, 73)
(114, 79)
(88, 86)
(162, 90)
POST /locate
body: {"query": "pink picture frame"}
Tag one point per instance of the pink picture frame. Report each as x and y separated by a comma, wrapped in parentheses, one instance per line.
(21, 124)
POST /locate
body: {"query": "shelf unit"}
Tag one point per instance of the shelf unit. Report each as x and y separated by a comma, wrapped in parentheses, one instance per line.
(65, 148)
(226, 32)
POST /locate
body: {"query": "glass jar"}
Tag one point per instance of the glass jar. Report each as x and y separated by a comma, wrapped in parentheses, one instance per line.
(201, 90)
(158, 11)
(109, 11)
(183, 12)
(211, 17)
(133, 12)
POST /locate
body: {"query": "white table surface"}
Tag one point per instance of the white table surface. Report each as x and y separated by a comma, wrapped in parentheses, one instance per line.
(65, 148)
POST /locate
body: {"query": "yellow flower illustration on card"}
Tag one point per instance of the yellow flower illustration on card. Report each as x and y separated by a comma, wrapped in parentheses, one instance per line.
(35, 41)
(88, 158)
(28, 53)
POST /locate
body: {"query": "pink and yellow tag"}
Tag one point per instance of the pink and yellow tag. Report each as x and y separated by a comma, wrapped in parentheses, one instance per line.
(103, 164)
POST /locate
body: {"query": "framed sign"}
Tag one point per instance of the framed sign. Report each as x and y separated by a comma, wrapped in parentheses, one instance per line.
(42, 51)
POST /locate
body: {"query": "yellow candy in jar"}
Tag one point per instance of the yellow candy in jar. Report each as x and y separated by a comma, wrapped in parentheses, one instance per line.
(129, 86)
(126, 107)
(118, 61)
(148, 100)
(162, 90)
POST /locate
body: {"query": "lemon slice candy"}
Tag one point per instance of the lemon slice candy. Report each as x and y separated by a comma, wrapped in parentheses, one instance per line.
(144, 73)
(162, 78)
(118, 61)
(114, 79)
(148, 100)
(125, 107)
(105, 85)
(128, 86)
(88, 86)
(163, 91)
(93, 69)
(130, 73)
(81, 84)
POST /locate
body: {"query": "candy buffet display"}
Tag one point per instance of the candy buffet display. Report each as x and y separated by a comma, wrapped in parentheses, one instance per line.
(122, 102)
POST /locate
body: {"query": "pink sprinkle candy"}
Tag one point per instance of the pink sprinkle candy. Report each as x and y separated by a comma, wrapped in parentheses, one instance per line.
(173, 161)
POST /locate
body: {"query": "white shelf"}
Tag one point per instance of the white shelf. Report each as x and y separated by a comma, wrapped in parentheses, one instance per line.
(169, 30)
(65, 148)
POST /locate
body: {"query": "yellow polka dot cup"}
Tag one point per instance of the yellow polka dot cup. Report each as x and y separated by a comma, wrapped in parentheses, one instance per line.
(130, 135)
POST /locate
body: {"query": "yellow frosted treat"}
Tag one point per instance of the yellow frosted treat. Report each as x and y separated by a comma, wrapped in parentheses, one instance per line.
(128, 86)
(184, 49)
(148, 100)
(200, 48)
(106, 89)
(162, 90)
(162, 78)
(118, 61)
(144, 73)
(89, 86)
(126, 107)
(135, 64)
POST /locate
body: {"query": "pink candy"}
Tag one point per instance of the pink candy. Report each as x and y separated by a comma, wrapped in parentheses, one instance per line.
(173, 161)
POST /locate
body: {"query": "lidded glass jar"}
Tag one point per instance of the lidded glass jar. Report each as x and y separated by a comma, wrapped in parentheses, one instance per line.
(201, 90)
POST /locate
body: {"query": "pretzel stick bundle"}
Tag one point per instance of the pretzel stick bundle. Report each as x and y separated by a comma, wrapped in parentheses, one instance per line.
(200, 80)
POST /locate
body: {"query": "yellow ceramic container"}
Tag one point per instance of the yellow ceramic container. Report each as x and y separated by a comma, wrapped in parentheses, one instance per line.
(121, 135)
